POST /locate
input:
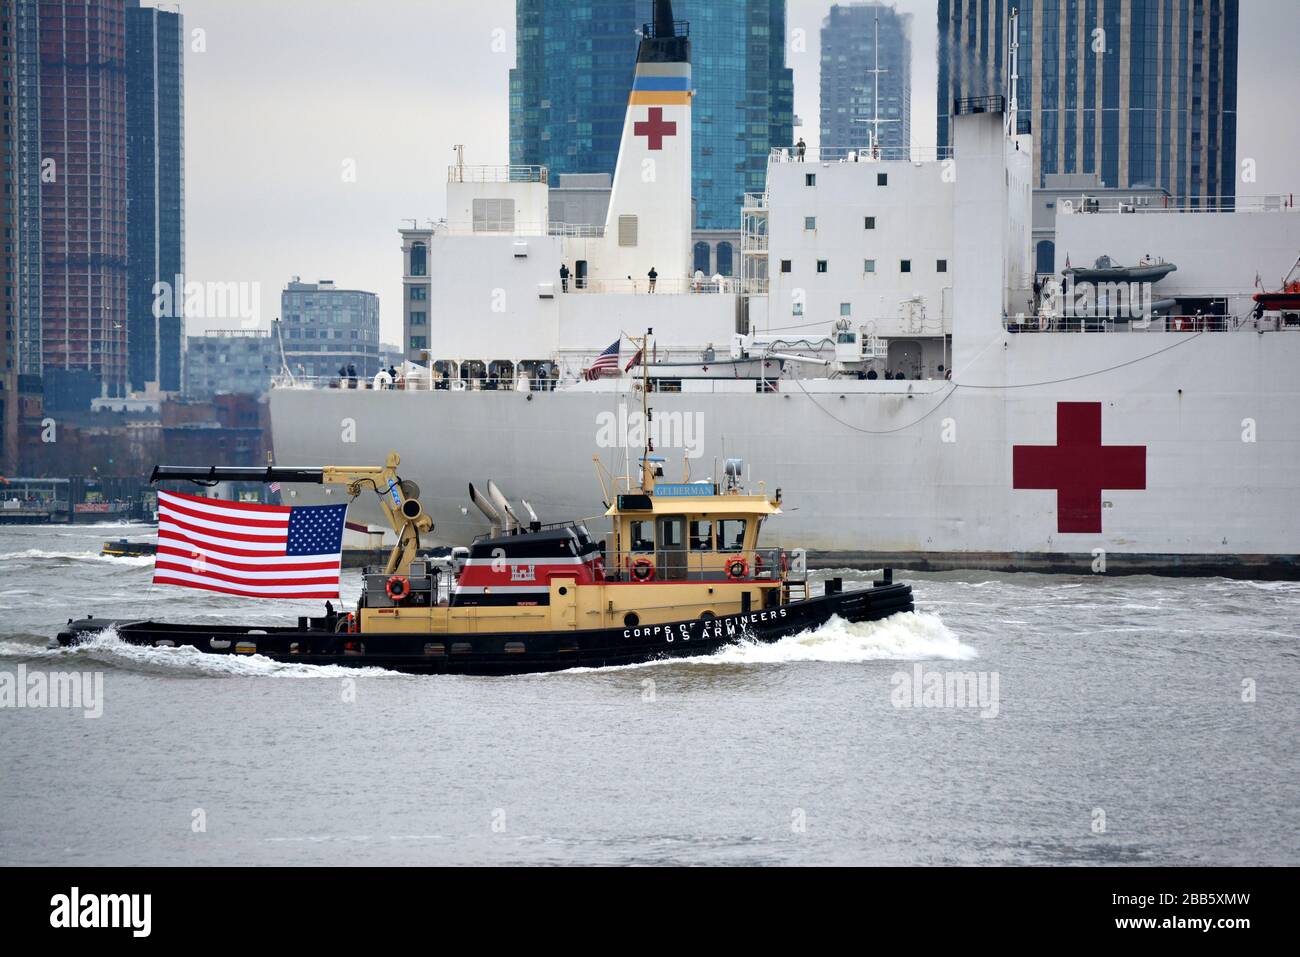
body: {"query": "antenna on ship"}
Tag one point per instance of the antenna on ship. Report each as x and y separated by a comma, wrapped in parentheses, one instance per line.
(874, 135)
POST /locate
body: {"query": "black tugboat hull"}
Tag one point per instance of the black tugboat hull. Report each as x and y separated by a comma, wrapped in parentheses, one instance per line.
(507, 653)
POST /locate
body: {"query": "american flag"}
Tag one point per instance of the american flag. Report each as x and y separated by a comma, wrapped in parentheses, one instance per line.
(606, 360)
(260, 551)
(635, 360)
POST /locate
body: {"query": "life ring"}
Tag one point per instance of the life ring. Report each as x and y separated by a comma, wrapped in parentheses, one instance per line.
(398, 587)
(737, 568)
(643, 570)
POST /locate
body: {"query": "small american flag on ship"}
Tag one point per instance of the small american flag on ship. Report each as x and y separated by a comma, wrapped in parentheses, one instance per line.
(275, 486)
(240, 548)
(606, 360)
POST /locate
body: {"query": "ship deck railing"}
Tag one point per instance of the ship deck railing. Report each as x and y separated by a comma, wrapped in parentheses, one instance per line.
(763, 565)
(1087, 205)
(857, 154)
(1202, 322)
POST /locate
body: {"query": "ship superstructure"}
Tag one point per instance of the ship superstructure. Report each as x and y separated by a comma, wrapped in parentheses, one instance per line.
(887, 350)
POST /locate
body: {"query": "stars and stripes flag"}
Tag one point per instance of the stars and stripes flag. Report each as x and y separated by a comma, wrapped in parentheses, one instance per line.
(634, 360)
(259, 551)
(606, 360)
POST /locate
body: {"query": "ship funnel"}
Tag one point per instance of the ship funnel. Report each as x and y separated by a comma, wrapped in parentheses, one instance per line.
(534, 523)
(485, 507)
(503, 506)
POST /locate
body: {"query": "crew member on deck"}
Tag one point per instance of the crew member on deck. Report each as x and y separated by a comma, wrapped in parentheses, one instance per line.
(799, 149)
(564, 277)
(653, 274)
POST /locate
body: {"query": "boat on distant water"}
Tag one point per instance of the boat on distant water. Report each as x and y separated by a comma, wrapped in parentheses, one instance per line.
(124, 548)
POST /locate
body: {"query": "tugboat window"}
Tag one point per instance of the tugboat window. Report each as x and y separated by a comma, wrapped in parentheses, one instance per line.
(731, 534)
(702, 536)
(643, 536)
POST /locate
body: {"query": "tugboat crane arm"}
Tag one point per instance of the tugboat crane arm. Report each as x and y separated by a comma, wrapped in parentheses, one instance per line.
(404, 511)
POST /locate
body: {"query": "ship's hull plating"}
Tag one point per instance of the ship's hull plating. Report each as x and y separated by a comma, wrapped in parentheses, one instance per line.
(919, 474)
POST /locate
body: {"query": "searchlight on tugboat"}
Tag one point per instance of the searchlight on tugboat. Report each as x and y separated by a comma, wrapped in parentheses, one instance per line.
(680, 573)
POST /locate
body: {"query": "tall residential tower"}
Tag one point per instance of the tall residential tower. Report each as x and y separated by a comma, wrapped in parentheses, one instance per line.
(1141, 92)
(155, 136)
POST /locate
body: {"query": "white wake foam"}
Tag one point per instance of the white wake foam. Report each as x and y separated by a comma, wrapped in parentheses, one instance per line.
(909, 636)
(42, 554)
(108, 649)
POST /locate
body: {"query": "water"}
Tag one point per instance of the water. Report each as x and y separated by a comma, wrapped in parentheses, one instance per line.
(1119, 697)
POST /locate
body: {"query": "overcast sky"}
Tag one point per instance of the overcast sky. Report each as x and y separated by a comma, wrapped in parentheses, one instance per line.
(287, 93)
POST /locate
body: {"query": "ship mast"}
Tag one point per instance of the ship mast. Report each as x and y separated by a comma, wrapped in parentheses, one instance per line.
(647, 476)
(875, 71)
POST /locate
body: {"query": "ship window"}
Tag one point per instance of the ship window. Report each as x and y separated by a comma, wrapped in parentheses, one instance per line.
(941, 265)
(868, 265)
(731, 534)
(821, 265)
(642, 537)
(882, 179)
(810, 222)
(870, 223)
(785, 265)
(702, 536)
(810, 179)
(905, 265)
(627, 227)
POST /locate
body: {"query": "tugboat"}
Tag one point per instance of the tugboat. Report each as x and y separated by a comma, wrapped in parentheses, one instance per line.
(680, 573)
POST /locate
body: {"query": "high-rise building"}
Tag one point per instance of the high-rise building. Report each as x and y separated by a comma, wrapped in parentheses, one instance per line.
(573, 72)
(8, 311)
(1140, 92)
(231, 360)
(83, 193)
(326, 328)
(23, 87)
(155, 136)
(850, 83)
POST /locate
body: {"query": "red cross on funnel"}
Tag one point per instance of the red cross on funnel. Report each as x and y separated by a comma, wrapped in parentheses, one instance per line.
(654, 128)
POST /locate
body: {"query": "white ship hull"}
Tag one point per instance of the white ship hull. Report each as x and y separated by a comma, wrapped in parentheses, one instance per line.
(918, 473)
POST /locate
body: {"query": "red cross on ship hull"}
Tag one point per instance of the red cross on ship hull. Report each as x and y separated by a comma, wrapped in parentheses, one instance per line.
(654, 128)
(1078, 467)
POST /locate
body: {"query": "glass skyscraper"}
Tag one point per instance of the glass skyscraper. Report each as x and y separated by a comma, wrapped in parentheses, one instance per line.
(155, 143)
(574, 64)
(1141, 92)
(849, 84)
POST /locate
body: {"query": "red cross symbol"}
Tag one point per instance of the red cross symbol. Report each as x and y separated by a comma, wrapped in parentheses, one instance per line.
(654, 129)
(1078, 467)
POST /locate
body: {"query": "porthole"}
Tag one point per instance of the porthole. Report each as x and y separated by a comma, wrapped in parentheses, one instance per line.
(631, 619)
(707, 616)
(563, 590)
